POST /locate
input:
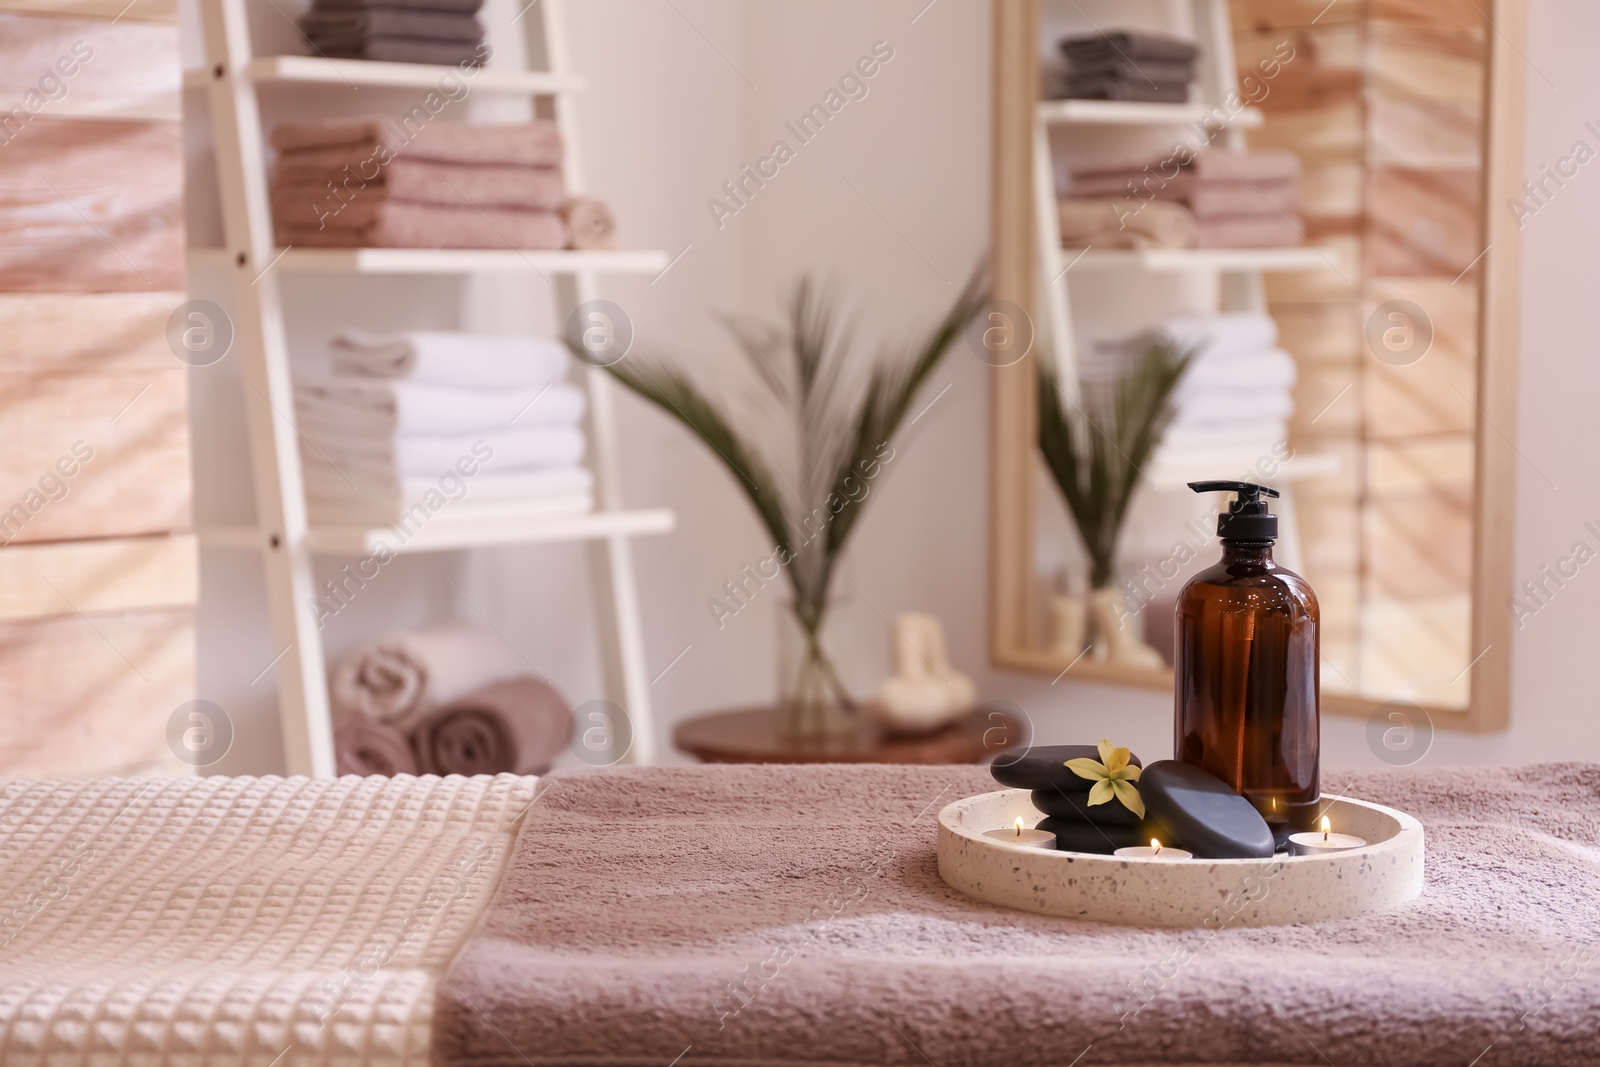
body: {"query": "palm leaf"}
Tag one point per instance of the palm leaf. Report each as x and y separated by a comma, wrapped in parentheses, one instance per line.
(833, 434)
(1097, 462)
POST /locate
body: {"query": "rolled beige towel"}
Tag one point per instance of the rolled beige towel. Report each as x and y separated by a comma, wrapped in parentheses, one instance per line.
(399, 677)
(590, 224)
(1125, 223)
(517, 726)
(367, 746)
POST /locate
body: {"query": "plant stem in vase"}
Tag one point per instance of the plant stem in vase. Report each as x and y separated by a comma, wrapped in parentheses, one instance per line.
(812, 699)
(1096, 450)
(804, 448)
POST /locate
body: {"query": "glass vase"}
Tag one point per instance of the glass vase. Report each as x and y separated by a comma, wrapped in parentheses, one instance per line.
(813, 703)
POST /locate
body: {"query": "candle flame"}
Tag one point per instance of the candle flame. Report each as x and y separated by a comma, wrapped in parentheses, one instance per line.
(1019, 826)
(1155, 846)
(1326, 826)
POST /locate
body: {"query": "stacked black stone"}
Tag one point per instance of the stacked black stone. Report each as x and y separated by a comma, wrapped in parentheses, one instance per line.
(1063, 796)
(1184, 806)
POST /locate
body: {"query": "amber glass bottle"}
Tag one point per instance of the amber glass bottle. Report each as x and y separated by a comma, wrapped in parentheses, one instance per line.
(1247, 667)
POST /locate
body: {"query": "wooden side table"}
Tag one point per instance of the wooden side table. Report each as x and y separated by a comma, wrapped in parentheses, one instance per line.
(754, 735)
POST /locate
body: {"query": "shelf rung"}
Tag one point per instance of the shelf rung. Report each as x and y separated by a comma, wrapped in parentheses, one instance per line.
(1132, 113)
(445, 261)
(319, 70)
(1297, 258)
(466, 529)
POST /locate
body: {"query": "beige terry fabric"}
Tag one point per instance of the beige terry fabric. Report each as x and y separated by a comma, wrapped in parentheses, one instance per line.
(795, 915)
(532, 144)
(1124, 223)
(239, 922)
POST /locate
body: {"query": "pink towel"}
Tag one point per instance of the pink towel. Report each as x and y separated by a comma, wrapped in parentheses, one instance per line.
(306, 175)
(589, 223)
(368, 746)
(532, 144)
(794, 915)
(398, 224)
(517, 726)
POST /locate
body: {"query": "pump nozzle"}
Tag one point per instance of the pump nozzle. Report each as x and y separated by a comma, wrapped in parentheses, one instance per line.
(1247, 517)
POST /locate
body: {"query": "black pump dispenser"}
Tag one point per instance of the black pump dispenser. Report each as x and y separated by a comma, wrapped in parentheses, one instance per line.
(1247, 518)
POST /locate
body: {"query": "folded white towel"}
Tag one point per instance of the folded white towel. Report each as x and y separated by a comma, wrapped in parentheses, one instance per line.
(1206, 406)
(376, 408)
(1227, 334)
(402, 676)
(466, 360)
(392, 493)
(1255, 371)
(1176, 465)
(1246, 435)
(502, 449)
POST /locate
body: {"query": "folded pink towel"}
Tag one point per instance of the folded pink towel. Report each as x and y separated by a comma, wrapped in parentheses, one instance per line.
(401, 676)
(794, 915)
(1203, 197)
(307, 174)
(368, 746)
(590, 223)
(533, 144)
(1258, 165)
(400, 224)
(517, 726)
(1250, 231)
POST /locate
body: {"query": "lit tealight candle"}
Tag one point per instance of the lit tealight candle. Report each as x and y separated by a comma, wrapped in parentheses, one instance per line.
(1153, 851)
(1323, 841)
(1019, 835)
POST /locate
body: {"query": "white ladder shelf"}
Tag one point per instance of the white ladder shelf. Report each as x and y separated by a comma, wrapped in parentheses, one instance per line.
(1240, 270)
(282, 532)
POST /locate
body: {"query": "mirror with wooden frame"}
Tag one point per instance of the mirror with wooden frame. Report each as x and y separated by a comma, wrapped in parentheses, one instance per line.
(1322, 187)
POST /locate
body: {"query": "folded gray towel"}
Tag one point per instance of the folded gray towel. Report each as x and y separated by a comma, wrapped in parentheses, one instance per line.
(397, 49)
(1142, 69)
(1131, 44)
(468, 6)
(392, 22)
(1115, 87)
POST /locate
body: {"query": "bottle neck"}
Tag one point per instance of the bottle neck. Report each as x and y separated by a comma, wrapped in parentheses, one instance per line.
(1247, 552)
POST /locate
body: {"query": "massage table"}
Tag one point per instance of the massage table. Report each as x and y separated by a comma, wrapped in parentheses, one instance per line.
(762, 915)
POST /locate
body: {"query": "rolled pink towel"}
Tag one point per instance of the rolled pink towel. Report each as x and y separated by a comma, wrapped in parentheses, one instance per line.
(517, 726)
(590, 223)
(368, 746)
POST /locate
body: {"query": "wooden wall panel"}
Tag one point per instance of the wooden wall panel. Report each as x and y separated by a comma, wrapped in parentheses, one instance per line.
(120, 10)
(92, 206)
(98, 574)
(1423, 222)
(119, 574)
(79, 695)
(75, 67)
(61, 333)
(94, 455)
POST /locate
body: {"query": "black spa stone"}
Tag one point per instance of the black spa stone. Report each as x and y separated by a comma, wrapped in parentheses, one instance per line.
(1043, 767)
(1082, 837)
(1075, 807)
(1189, 808)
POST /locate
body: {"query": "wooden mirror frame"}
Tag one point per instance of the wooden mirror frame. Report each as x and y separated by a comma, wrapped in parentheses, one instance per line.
(1012, 420)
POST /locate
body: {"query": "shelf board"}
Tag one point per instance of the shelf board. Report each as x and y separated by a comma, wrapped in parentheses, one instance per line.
(445, 261)
(319, 70)
(1299, 258)
(446, 532)
(1131, 113)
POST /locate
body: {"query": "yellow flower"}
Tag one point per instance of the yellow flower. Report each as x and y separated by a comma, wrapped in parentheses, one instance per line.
(1112, 777)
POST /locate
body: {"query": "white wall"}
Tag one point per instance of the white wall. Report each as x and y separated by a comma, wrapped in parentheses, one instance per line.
(890, 202)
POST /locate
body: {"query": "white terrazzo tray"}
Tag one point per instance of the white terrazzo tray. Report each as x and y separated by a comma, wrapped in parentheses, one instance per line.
(1381, 875)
